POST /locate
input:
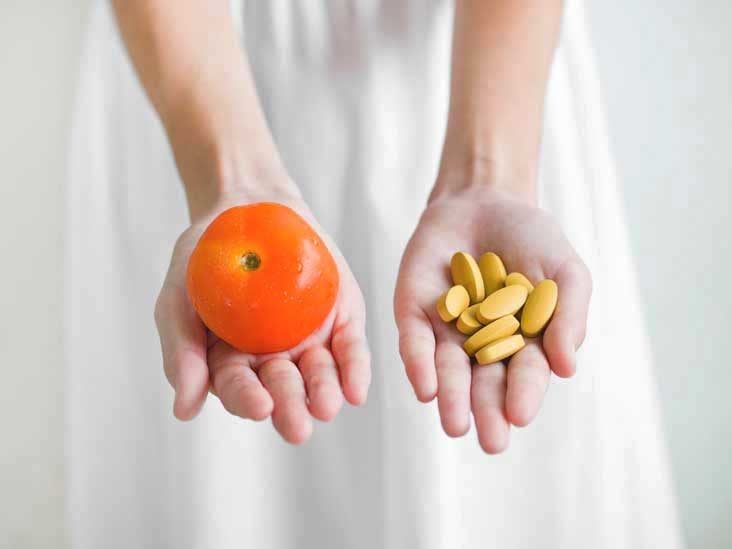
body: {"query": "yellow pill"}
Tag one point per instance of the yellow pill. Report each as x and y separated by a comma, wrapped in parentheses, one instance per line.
(517, 278)
(505, 301)
(493, 271)
(498, 350)
(498, 329)
(465, 272)
(453, 302)
(467, 323)
(539, 308)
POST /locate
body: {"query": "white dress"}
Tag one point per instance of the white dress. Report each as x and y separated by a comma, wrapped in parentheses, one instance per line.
(356, 95)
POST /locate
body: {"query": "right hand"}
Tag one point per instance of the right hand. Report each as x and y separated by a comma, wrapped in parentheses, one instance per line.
(310, 379)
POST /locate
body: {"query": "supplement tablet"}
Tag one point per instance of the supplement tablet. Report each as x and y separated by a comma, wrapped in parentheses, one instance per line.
(498, 350)
(453, 302)
(539, 308)
(498, 329)
(517, 278)
(493, 272)
(506, 301)
(467, 323)
(465, 272)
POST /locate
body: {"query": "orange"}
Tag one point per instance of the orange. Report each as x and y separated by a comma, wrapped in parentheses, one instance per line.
(261, 278)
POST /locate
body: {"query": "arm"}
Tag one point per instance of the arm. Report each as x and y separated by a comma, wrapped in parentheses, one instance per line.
(485, 200)
(195, 72)
(502, 53)
(191, 64)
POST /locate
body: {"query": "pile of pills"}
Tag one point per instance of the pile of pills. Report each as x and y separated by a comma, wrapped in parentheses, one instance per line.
(490, 306)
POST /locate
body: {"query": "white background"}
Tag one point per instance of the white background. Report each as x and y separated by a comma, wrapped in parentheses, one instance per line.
(668, 81)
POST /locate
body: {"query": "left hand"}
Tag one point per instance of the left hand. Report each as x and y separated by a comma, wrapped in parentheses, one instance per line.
(529, 240)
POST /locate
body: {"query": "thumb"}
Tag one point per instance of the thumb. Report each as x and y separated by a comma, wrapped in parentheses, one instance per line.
(566, 330)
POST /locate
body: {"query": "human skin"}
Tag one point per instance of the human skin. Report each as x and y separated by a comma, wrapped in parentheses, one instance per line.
(196, 75)
(484, 199)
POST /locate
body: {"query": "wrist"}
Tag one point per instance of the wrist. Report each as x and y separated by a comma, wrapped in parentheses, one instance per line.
(485, 172)
(224, 159)
(488, 150)
(235, 186)
(232, 177)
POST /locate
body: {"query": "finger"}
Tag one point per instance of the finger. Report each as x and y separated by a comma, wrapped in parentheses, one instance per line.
(290, 415)
(237, 385)
(566, 331)
(453, 384)
(183, 344)
(487, 395)
(527, 381)
(351, 352)
(417, 349)
(318, 369)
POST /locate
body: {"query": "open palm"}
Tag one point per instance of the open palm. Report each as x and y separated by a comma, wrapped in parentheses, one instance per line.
(309, 379)
(529, 241)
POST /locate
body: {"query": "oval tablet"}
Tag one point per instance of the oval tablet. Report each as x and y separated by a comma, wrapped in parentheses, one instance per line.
(498, 329)
(517, 278)
(505, 301)
(453, 302)
(539, 308)
(493, 272)
(465, 272)
(467, 323)
(498, 350)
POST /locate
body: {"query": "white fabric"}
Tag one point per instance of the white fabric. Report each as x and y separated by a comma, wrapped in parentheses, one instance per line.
(356, 95)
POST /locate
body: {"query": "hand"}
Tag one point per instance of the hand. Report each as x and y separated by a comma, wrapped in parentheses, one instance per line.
(309, 379)
(529, 240)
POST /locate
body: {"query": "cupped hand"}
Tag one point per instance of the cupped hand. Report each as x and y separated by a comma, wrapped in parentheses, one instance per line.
(530, 241)
(310, 379)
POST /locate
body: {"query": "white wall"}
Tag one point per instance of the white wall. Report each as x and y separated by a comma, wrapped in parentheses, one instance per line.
(668, 78)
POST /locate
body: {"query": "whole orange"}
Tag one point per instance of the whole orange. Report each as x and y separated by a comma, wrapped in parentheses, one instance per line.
(261, 278)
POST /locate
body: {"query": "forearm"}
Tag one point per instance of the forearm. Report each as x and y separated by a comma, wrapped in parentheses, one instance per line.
(194, 70)
(502, 53)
